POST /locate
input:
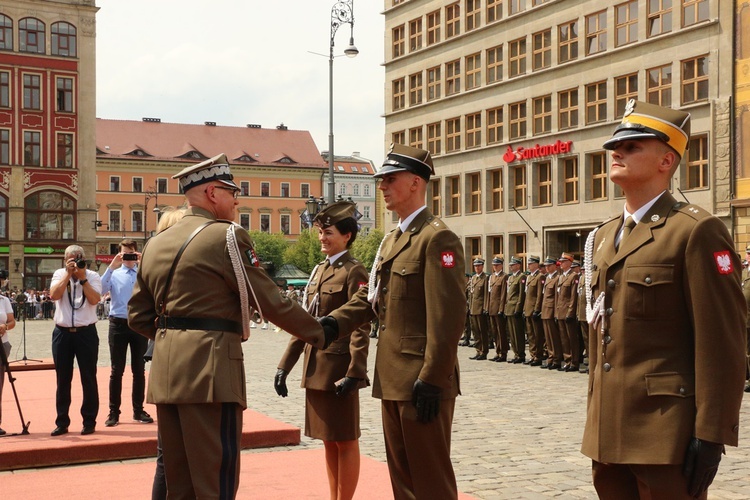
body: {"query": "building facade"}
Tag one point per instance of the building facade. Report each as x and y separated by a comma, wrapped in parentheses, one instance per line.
(277, 171)
(741, 151)
(47, 110)
(354, 180)
(514, 99)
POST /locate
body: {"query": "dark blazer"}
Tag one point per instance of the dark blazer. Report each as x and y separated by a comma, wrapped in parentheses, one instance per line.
(669, 363)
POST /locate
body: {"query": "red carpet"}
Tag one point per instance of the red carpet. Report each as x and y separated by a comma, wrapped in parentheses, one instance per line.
(36, 392)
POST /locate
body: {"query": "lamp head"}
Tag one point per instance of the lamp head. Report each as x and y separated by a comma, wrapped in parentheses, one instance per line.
(351, 50)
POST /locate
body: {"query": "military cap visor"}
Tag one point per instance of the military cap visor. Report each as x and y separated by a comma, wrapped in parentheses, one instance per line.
(407, 159)
(335, 213)
(213, 169)
(497, 261)
(648, 121)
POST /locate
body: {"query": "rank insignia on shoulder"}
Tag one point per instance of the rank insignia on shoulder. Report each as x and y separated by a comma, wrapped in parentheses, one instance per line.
(448, 259)
(724, 262)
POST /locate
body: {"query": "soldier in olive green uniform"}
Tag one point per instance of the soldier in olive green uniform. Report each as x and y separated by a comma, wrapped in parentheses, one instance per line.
(478, 303)
(581, 316)
(514, 310)
(532, 311)
(551, 332)
(498, 290)
(566, 294)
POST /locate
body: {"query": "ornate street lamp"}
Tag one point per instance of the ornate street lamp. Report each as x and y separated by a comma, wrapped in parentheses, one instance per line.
(150, 193)
(312, 207)
(341, 13)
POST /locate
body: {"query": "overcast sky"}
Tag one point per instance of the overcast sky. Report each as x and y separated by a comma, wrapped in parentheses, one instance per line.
(236, 62)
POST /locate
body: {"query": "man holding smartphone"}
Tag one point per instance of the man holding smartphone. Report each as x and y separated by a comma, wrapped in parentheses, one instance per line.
(118, 280)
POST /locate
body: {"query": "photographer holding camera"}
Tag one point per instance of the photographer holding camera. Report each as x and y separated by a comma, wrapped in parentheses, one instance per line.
(76, 292)
(118, 280)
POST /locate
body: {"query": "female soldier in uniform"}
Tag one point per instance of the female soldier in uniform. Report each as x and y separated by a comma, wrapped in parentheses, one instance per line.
(331, 377)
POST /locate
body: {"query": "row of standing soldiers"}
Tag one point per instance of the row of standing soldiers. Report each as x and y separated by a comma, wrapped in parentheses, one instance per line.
(545, 306)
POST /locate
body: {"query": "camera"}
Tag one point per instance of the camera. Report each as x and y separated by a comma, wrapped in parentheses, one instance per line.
(80, 262)
(130, 256)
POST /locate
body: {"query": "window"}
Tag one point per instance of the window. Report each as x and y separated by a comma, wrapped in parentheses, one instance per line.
(415, 34)
(518, 244)
(473, 14)
(399, 94)
(265, 189)
(495, 125)
(626, 23)
(137, 184)
(285, 190)
(161, 185)
(415, 89)
(517, 121)
(366, 212)
(596, 102)
(517, 57)
(494, 10)
(63, 39)
(342, 189)
(452, 134)
(495, 181)
(453, 77)
(65, 95)
(474, 246)
(596, 33)
(433, 27)
(697, 163)
(544, 183)
(695, 79)
(567, 36)
(398, 137)
(265, 223)
(659, 85)
(245, 221)
(434, 196)
(244, 188)
(285, 224)
(541, 50)
(433, 83)
(626, 88)
(474, 184)
(516, 6)
(495, 244)
(32, 149)
(4, 89)
(542, 107)
(454, 193)
(65, 150)
(473, 71)
(518, 174)
(136, 220)
(115, 218)
(6, 33)
(495, 64)
(415, 137)
(434, 135)
(452, 20)
(659, 17)
(567, 104)
(355, 190)
(598, 176)
(398, 41)
(473, 130)
(50, 215)
(114, 183)
(32, 92)
(4, 147)
(366, 190)
(304, 190)
(570, 179)
(31, 35)
(694, 11)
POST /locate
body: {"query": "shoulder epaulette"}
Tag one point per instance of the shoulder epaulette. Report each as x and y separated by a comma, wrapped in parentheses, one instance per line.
(693, 211)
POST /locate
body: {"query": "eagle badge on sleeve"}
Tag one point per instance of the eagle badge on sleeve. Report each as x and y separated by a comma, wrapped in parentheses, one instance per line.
(449, 259)
(724, 262)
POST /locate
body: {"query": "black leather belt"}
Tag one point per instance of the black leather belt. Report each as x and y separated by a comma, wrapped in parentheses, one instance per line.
(217, 324)
(75, 328)
(118, 321)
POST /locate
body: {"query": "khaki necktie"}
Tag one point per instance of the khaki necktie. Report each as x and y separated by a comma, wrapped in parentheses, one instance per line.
(397, 234)
(626, 229)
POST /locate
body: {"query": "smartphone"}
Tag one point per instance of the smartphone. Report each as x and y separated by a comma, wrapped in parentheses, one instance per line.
(130, 256)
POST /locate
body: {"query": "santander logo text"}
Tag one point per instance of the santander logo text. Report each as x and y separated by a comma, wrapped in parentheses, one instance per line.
(521, 153)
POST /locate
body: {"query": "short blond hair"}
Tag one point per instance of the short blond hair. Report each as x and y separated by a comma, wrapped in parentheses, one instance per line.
(169, 217)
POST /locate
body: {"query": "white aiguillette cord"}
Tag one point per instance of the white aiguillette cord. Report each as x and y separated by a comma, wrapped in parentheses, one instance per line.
(241, 274)
(373, 284)
(594, 309)
(312, 307)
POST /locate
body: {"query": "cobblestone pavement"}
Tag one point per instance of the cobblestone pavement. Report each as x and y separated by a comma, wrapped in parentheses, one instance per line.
(516, 431)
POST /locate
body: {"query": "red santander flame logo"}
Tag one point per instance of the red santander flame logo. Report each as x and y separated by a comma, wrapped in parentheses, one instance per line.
(538, 151)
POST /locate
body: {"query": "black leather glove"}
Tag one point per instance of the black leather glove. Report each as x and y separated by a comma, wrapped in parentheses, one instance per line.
(519, 314)
(502, 315)
(279, 383)
(347, 385)
(330, 329)
(426, 398)
(570, 319)
(701, 464)
(537, 314)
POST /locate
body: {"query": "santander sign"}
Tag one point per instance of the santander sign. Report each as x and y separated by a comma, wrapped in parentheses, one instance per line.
(521, 153)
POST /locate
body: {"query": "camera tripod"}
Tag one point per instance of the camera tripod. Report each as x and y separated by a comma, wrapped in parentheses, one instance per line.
(5, 368)
(22, 305)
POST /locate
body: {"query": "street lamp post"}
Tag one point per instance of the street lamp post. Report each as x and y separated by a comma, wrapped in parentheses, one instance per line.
(150, 193)
(341, 13)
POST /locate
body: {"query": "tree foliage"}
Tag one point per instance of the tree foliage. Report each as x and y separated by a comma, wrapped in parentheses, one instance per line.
(270, 247)
(305, 253)
(364, 248)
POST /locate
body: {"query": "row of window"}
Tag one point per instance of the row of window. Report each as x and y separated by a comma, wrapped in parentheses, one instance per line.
(485, 192)
(32, 149)
(33, 92)
(586, 105)
(32, 37)
(264, 222)
(161, 187)
(512, 59)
